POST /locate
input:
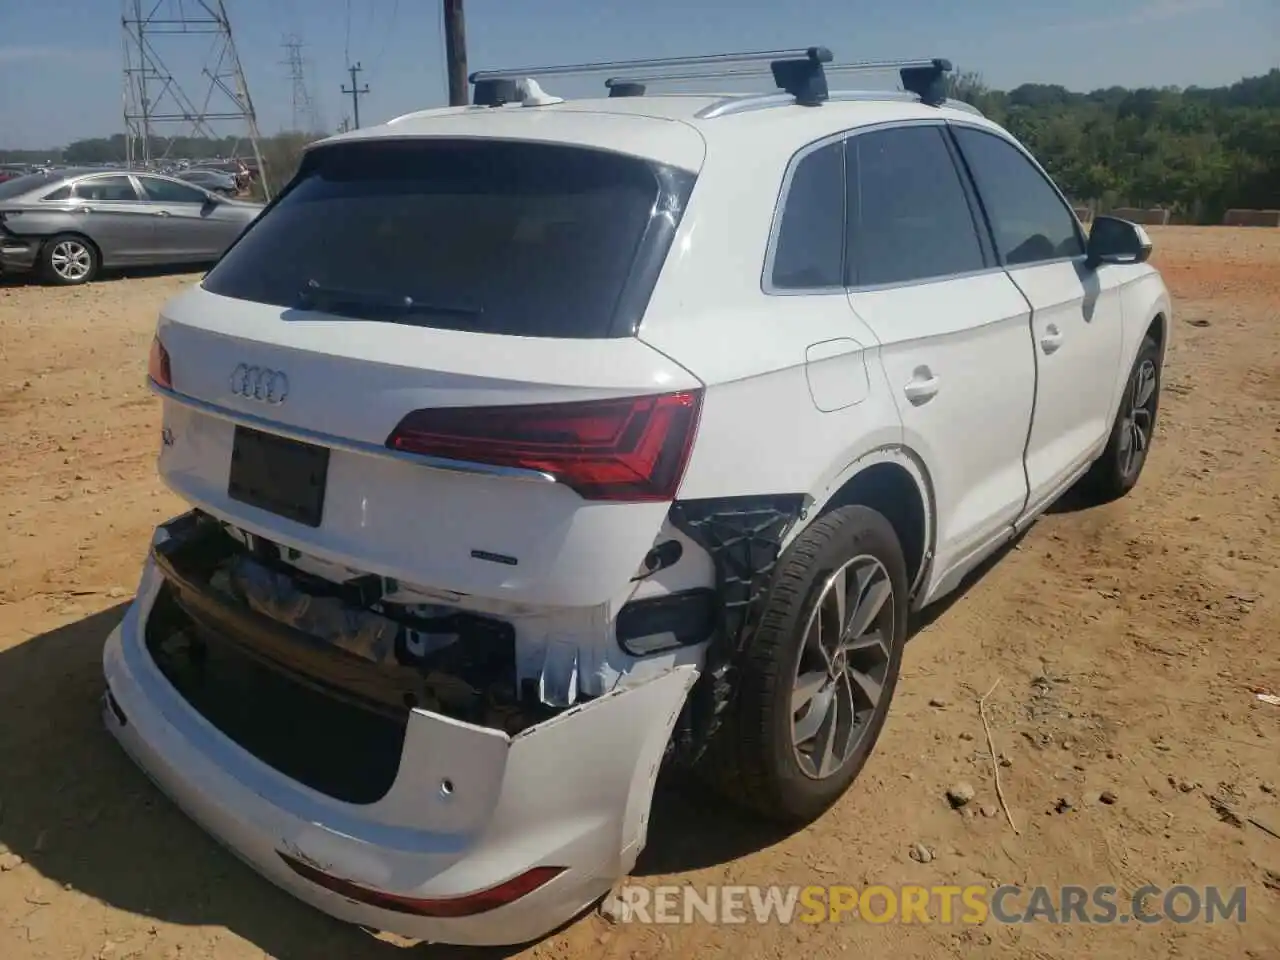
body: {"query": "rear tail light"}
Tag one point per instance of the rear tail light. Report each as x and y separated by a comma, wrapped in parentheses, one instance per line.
(628, 449)
(158, 365)
(467, 905)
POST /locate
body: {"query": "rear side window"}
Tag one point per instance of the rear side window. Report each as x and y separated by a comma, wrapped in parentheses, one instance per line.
(909, 218)
(809, 252)
(503, 237)
(1028, 218)
(106, 189)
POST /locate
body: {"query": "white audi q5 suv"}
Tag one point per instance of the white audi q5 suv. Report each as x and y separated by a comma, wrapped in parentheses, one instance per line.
(537, 445)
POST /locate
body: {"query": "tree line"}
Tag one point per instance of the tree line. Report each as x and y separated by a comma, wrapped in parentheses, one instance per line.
(1198, 151)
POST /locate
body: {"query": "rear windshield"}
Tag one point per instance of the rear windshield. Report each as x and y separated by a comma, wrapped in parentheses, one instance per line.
(20, 185)
(504, 237)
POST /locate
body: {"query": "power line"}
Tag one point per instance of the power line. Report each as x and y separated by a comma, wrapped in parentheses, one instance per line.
(346, 42)
(386, 38)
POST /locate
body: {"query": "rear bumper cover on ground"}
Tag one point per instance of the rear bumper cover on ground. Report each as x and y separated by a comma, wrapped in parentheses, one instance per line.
(18, 254)
(471, 808)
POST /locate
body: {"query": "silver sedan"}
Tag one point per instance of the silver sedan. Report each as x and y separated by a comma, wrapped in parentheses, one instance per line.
(67, 225)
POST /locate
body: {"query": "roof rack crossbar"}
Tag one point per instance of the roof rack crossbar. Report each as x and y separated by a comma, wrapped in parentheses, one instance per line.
(629, 66)
(754, 72)
(921, 77)
(799, 72)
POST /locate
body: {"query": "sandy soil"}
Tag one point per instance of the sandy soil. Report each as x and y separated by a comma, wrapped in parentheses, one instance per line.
(1126, 638)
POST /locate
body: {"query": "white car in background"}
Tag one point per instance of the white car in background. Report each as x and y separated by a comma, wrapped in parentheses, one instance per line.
(537, 444)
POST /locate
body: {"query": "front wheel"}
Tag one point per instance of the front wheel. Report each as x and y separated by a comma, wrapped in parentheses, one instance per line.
(818, 675)
(1116, 472)
(69, 260)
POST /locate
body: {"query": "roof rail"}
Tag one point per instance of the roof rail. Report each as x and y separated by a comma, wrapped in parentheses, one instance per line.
(799, 72)
(924, 79)
(750, 102)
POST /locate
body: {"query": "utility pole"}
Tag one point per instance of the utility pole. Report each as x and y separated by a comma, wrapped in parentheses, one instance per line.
(356, 92)
(455, 52)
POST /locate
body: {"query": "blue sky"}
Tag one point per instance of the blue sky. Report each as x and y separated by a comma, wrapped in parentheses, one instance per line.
(60, 60)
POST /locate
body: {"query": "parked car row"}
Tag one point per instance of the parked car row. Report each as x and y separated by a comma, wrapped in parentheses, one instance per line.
(215, 181)
(68, 225)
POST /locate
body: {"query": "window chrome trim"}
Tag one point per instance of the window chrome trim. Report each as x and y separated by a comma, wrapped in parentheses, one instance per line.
(750, 102)
(924, 281)
(349, 446)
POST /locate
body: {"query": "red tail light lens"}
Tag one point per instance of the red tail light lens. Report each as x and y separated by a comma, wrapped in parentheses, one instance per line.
(158, 365)
(467, 905)
(628, 449)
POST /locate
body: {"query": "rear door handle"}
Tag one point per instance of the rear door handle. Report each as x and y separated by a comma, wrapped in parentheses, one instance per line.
(1051, 340)
(923, 388)
(160, 213)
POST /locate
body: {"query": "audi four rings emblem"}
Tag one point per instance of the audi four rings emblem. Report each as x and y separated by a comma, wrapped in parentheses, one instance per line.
(259, 383)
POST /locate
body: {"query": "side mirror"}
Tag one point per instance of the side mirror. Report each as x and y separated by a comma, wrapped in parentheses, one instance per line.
(1112, 240)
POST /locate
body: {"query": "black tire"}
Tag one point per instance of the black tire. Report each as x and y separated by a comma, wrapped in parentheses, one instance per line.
(69, 260)
(753, 760)
(1115, 473)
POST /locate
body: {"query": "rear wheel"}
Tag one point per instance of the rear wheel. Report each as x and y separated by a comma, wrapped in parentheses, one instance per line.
(816, 681)
(1116, 472)
(68, 260)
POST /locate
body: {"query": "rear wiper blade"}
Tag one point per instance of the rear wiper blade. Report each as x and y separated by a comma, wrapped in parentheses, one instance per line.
(316, 294)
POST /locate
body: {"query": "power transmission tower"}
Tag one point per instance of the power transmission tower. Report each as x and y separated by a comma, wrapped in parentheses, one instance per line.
(455, 52)
(356, 92)
(195, 102)
(304, 108)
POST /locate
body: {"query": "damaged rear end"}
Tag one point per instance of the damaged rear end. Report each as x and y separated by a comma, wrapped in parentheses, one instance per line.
(418, 651)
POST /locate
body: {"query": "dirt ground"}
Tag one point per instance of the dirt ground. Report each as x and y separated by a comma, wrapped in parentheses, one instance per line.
(1129, 642)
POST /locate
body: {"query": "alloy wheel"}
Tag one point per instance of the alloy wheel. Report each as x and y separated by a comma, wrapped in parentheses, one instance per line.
(1135, 436)
(843, 665)
(71, 260)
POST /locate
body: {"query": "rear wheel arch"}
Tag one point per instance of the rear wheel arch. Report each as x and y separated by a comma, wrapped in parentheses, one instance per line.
(1158, 330)
(893, 481)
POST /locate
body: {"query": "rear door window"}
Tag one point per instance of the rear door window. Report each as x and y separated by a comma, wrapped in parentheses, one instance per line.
(106, 189)
(169, 191)
(909, 218)
(505, 237)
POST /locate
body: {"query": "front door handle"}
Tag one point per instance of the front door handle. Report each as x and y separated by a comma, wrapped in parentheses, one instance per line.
(1051, 340)
(923, 386)
(160, 213)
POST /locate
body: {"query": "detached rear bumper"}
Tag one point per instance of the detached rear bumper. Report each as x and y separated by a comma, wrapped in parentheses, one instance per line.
(18, 254)
(471, 808)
